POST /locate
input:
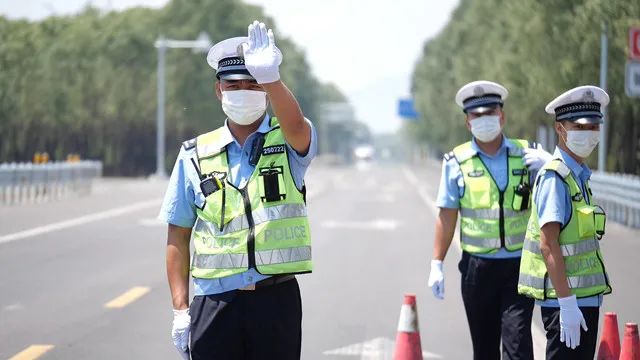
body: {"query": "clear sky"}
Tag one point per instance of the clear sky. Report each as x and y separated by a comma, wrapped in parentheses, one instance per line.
(367, 48)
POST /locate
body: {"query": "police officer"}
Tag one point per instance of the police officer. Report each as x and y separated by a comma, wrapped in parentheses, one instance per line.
(487, 180)
(238, 192)
(562, 267)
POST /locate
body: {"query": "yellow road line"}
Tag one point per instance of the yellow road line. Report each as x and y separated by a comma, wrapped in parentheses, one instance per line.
(128, 297)
(32, 352)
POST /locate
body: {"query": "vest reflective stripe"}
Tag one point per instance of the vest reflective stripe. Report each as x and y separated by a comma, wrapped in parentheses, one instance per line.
(264, 257)
(582, 281)
(492, 242)
(281, 256)
(567, 249)
(285, 211)
(220, 261)
(488, 213)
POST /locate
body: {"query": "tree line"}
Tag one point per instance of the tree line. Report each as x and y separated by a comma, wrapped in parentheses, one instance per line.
(86, 83)
(537, 49)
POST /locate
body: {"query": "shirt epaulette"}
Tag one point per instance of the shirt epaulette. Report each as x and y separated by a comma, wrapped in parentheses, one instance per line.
(448, 156)
(189, 144)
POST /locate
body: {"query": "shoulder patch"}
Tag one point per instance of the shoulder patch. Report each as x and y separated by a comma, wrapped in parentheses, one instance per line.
(448, 156)
(189, 144)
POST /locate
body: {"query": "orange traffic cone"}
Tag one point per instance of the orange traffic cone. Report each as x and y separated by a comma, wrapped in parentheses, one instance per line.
(630, 344)
(609, 348)
(408, 340)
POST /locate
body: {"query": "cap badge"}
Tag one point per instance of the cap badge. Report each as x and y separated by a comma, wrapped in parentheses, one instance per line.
(240, 51)
(588, 96)
(478, 91)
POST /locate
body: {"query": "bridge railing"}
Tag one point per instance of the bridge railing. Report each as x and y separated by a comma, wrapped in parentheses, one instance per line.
(28, 182)
(619, 196)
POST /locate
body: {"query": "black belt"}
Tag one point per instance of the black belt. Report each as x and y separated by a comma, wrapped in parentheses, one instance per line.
(273, 280)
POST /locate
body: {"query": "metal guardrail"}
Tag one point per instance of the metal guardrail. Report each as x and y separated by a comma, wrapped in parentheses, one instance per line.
(619, 196)
(28, 182)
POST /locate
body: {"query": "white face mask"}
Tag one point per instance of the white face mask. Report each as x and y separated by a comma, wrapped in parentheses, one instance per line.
(582, 142)
(244, 107)
(486, 128)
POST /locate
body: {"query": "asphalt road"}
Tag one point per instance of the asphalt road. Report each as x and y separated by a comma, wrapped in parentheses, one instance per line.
(84, 278)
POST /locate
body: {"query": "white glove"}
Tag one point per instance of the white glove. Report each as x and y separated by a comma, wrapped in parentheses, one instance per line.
(570, 321)
(261, 56)
(534, 159)
(436, 279)
(180, 331)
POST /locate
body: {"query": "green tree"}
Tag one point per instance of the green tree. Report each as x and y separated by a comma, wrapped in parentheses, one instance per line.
(537, 49)
(87, 83)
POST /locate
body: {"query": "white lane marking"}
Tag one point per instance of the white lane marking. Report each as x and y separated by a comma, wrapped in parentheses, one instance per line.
(374, 349)
(314, 191)
(379, 224)
(13, 307)
(151, 222)
(393, 187)
(370, 183)
(384, 198)
(80, 220)
(538, 334)
(431, 205)
(413, 179)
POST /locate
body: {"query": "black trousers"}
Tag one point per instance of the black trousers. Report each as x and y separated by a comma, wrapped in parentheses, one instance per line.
(559, 350)
(265, 323)
(494, 309)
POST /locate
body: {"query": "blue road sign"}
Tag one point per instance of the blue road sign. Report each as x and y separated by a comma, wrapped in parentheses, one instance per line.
(406, 109)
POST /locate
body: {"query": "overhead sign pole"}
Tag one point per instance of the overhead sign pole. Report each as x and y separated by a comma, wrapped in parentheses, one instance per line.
(202, 43)
(602, 149)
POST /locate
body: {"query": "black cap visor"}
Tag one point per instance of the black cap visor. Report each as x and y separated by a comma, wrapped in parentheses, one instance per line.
(481, 110)
(585, 120)
(235, 76)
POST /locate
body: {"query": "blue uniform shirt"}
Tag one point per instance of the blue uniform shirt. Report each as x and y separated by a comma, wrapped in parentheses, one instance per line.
(184, 195)
(451, 187)
(554, 205)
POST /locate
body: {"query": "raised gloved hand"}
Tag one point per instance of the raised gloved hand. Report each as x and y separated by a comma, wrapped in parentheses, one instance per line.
(535, 159)
(570, 321)
(436, 279)
(180, 331)
(261, 56)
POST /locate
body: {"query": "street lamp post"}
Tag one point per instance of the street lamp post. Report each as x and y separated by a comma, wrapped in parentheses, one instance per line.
(202, 43)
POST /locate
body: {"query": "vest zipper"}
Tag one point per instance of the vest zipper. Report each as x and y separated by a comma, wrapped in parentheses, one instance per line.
(501, 221)
(251, 238)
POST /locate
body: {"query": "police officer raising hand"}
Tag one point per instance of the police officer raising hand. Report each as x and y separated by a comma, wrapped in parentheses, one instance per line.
(237, 192)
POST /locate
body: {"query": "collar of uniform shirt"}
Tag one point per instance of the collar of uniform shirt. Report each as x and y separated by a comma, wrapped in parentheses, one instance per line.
(264, 128)
(581, 171)
(505, 144)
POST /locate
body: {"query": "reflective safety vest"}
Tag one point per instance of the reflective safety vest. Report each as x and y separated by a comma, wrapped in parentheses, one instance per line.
(262, 225)
(490, 218)
(578, 240)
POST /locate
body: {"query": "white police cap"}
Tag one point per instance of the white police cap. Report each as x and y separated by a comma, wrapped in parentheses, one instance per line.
(481, 95)
(227, 58)
(582, 105)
